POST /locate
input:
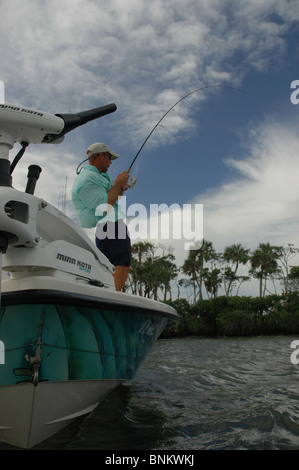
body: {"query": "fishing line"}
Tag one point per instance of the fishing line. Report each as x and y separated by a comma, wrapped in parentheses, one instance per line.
(134, 179)
(181, 99)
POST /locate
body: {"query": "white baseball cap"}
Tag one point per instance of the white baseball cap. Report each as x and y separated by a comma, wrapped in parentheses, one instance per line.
(93, 149)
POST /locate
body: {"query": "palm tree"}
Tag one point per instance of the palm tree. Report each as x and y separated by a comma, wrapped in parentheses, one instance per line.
(150, 272)
(293, 278)
(194, 264)
(140, 251)
(237, 255)
(212, 281)
(264, 264)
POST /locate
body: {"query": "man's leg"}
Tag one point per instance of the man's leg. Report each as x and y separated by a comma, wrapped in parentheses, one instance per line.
(120, 276)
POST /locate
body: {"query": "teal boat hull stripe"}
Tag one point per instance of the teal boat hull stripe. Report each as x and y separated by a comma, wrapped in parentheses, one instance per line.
(75, 343)
(43, 296)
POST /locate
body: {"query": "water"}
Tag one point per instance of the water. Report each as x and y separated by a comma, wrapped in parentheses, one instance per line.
(198, 394)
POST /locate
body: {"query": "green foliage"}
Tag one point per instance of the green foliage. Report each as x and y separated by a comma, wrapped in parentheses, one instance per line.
(149, 272)
(153, 268)
(210, 270)
(264, 263)
(293, 278)
(238, 316)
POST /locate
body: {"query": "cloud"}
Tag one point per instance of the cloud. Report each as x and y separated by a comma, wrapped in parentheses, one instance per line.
(260, 203)
(62, 56)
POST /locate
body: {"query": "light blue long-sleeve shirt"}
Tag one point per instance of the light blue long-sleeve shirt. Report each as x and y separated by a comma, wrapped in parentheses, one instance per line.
(90, 198)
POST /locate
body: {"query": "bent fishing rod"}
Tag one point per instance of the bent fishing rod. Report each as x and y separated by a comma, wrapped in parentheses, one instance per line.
(134, 179)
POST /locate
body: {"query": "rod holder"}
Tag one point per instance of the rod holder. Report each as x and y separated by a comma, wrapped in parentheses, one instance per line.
(33, 175)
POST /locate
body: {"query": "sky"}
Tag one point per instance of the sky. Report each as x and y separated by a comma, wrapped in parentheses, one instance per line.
(232, 147)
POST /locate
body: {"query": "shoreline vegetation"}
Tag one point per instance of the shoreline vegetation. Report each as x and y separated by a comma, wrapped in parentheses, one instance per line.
(236, 316)
(206, 273)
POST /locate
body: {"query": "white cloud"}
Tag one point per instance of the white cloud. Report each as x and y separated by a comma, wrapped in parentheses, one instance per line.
(62, 56)
(260, 204)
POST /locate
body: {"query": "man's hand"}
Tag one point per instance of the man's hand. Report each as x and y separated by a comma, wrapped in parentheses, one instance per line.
(120, 185)
(122, 180)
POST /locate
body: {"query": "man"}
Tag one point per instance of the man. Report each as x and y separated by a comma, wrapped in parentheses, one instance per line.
(95, 196)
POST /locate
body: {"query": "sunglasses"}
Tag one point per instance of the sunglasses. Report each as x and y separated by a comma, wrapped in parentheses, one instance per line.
(106, 155)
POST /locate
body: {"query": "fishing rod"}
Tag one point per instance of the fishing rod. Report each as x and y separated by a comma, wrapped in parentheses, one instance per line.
(134, 179)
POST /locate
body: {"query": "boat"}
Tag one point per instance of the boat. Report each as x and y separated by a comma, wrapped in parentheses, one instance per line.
(67, 337)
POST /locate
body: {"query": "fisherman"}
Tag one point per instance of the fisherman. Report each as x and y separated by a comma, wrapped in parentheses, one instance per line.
(95, 198)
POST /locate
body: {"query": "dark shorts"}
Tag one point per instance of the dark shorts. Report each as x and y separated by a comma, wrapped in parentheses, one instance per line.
(115, 243)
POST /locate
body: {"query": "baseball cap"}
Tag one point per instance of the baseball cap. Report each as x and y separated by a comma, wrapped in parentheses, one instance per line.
(100, 148)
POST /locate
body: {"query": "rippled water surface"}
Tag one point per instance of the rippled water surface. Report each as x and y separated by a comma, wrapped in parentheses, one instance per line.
(198, 393)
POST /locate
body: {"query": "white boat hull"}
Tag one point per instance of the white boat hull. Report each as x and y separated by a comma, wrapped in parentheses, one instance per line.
(29, 414)
(67, 346)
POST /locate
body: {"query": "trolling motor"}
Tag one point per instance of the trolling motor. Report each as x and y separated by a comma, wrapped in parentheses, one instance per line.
(29, 126)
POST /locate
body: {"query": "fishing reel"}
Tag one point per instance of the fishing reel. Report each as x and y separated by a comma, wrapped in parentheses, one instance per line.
(132, 182)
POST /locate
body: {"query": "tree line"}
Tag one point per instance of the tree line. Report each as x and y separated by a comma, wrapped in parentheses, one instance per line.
(154, 270)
